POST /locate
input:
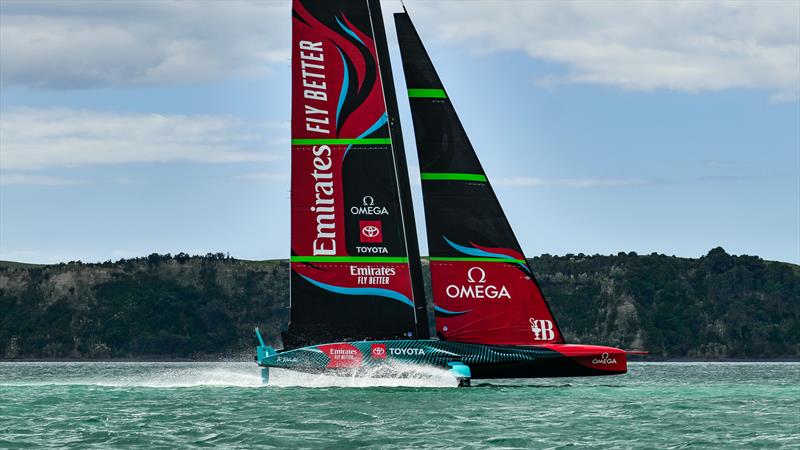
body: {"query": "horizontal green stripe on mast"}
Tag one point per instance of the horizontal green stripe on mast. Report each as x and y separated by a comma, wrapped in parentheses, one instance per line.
(500, 260)
(453, 176)
(355, 259)
(353, 141)
(426, 93)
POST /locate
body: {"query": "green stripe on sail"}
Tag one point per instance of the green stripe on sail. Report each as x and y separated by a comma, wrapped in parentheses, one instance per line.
(426, 93)
(353, 259)
(323, 141)
(500, 260)
(453, 176)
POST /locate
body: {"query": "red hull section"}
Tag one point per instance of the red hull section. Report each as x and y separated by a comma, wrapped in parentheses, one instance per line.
(569, 361)
(595, 357)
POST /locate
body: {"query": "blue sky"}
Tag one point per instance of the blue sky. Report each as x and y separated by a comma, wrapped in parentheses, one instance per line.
(142, 127)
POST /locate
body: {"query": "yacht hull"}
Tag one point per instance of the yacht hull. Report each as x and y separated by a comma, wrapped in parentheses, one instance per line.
(484, 361)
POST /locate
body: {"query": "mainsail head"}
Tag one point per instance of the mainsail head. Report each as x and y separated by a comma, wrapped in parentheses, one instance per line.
(483, 289)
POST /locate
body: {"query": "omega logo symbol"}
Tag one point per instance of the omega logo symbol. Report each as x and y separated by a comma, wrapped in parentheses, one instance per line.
(481, 273)
(368, 200)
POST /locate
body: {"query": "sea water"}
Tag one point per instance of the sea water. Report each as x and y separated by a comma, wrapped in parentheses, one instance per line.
(169, 405)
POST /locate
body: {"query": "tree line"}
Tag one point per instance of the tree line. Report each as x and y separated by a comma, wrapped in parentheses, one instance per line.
(180, 306)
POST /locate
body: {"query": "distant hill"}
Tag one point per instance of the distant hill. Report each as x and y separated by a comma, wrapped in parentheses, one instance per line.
(163, 306)
(19, 265)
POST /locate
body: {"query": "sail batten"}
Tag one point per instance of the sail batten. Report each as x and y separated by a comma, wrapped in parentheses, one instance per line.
(426, 93)
(343, 141)
(483, 289)
(432, 176)
(332, 259)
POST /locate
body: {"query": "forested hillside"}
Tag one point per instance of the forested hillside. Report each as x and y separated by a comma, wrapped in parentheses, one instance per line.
(163, 306)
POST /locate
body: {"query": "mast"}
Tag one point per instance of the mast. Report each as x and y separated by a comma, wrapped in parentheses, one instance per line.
(406, 205)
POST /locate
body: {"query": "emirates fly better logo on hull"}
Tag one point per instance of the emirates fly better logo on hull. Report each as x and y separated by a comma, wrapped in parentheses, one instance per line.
(341, 355)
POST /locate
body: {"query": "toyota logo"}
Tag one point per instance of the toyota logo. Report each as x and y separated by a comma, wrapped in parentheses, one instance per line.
(370, 231)
(378, 351)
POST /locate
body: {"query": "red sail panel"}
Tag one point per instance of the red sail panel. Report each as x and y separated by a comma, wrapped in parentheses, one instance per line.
(483, 289)
(321, 57)
(350, 272)
(489, 303)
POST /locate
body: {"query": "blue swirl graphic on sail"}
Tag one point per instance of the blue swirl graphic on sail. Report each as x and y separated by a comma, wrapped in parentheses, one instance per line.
(345, 85)
(379, 123)
(375, 126)
(441, 310)
(483, 253)
(388, 293)
(474, 251)
(349, 31)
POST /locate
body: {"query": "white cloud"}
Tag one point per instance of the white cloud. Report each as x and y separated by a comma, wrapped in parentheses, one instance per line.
(32, 179)
(575, 183)
(58, 44)
(687, 46)
(58, 137)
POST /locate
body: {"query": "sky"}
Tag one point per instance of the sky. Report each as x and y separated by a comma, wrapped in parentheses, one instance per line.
(128, 128)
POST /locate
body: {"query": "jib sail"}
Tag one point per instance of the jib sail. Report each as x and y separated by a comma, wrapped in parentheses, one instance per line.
(350, 272)
(483, 289)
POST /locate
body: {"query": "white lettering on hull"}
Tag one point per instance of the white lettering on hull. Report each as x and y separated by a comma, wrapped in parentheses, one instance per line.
(407, 351)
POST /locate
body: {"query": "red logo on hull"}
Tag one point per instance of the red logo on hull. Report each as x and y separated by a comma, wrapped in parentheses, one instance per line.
(378, 351)
(341, 355)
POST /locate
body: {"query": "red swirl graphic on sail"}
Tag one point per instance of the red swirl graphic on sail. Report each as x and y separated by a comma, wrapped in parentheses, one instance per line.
(346, 58)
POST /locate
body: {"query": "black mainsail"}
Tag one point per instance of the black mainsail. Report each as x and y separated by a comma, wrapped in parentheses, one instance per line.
(483, 289)
(355, 271)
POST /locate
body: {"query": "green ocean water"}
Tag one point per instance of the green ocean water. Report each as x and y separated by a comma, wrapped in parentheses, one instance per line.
(169, 405)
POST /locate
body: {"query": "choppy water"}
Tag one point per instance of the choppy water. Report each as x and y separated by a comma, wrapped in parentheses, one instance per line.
(656, 405)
